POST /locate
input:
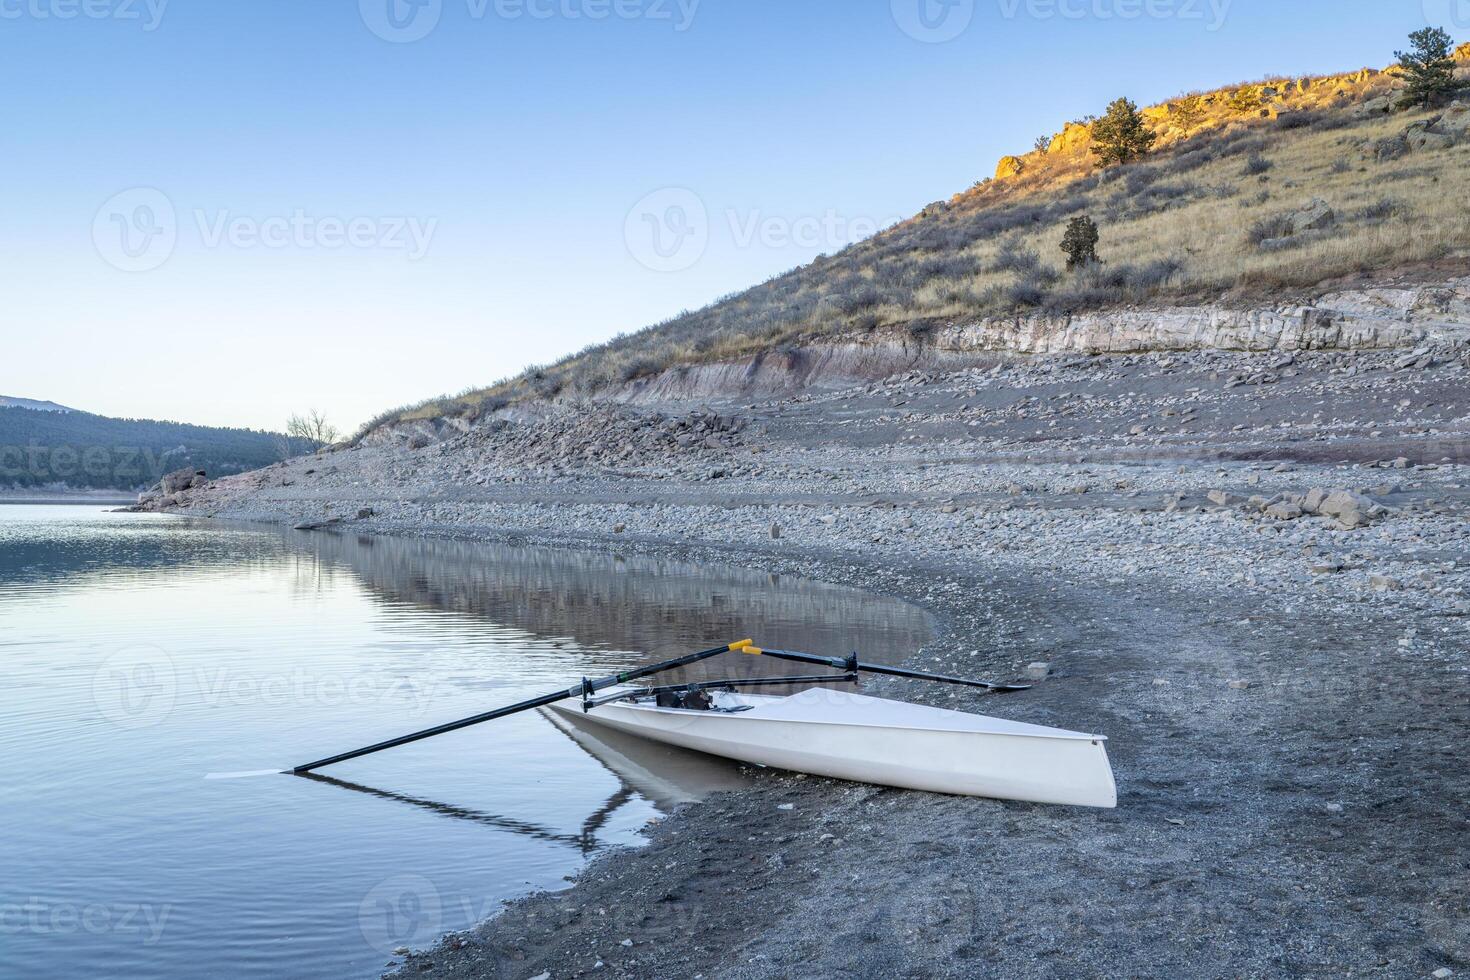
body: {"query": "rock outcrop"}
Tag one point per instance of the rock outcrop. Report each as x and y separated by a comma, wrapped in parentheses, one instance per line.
(183, 479)
(1383, 318)
(1440, 132)
(1366, 319)
(169, 490)
(1008, 167)
(1373, 92)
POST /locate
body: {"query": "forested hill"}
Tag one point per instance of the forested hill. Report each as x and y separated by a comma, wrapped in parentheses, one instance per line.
(78, 450)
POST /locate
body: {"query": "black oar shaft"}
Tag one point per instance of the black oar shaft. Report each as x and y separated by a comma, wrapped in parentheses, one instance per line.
(838, 663)
(578, 690)
(440, 730)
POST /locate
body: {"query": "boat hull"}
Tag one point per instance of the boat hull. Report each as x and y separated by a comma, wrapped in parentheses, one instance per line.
(870, 740)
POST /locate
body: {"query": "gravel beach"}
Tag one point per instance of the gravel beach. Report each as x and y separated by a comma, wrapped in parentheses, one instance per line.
(1252, 572)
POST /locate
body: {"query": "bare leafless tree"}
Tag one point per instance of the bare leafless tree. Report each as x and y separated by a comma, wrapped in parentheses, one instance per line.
(314, 428)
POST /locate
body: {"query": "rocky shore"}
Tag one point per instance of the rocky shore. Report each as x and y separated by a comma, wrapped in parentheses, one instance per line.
(1250, 570)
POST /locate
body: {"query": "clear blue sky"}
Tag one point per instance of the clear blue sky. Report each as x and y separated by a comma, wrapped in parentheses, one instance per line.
(518, 138)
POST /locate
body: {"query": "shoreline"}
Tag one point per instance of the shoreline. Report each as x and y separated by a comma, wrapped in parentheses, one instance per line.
(1283, 692)
(48, 500)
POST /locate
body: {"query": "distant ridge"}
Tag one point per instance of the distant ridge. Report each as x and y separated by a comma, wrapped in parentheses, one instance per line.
(46, 446)
(7, 401)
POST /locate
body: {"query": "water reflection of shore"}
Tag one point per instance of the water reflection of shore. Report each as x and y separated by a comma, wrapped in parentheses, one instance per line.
(602, 600)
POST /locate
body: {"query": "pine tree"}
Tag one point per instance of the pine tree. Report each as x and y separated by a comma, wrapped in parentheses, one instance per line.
(1121, 135)
(1187, 112)
(1080, 242)
(1429, 68)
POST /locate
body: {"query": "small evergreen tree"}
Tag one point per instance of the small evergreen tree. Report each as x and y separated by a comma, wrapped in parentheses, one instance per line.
(1429, 68)
(1187, 112)
(1042, 144)
(1121, 135)
(1080, 242)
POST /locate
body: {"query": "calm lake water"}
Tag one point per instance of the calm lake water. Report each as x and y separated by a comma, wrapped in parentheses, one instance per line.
(143, 654)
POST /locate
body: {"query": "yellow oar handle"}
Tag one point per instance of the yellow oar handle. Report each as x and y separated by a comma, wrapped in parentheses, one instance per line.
(739, 645)
(751, 648)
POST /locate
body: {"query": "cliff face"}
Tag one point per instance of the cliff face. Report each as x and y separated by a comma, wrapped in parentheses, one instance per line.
(1384, 318)
(1362, 319)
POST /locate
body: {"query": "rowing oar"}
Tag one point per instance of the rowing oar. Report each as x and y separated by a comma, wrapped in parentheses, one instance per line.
(584, 688)
(851, 663)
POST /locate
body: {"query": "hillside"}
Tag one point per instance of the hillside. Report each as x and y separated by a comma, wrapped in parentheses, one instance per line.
(1256, 192)
(66, 449)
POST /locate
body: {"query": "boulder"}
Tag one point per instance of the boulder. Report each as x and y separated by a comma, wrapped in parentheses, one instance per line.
(1286, 510)
(1389, 149)
(1424, 139)
(1455, 121)
(1314, 215)
(1220, 498)
(1312, 503)
(1073, 138)
(1009, 167)
(180, 480)
(1380, 106)
(1343, 501)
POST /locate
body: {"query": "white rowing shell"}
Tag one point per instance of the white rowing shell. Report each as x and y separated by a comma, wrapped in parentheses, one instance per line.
(890, 743)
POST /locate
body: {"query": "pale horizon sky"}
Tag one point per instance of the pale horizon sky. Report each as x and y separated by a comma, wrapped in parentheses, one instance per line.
(226, 213)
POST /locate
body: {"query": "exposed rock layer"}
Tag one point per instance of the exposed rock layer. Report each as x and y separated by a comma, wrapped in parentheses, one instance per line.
(1360, 319)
